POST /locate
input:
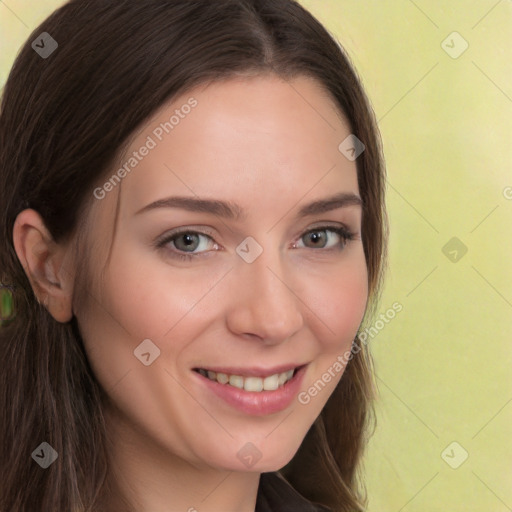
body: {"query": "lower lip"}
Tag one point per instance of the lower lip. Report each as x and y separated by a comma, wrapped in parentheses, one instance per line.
(257, 403)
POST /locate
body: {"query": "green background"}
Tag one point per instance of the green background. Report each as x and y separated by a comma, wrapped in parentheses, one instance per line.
(443, 363)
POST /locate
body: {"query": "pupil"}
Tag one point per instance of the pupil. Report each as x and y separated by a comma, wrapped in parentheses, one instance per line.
(187, 239)
(316, 237)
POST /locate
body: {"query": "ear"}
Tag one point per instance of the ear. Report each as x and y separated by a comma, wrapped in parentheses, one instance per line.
(46, 263)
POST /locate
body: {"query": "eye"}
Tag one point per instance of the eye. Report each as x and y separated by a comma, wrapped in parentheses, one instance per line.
(188, 245)
(184, 242)
(319, 237)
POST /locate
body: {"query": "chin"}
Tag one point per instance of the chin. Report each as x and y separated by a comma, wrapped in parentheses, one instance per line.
(249, 458)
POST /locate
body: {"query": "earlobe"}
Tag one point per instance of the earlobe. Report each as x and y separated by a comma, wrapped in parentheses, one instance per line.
(45, 264)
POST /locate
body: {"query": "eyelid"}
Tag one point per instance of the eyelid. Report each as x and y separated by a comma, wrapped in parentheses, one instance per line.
(179, 231)
(327, 225)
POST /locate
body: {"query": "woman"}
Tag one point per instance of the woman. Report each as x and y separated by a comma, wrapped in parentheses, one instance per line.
(194, 229)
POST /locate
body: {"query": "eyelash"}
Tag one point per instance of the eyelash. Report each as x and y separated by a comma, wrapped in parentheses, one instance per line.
(343, 232)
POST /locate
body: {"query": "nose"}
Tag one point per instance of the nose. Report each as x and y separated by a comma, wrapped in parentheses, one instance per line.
(263, 303)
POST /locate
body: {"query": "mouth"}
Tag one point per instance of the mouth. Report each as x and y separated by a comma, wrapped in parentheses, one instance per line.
(249, 380)
(253, 391)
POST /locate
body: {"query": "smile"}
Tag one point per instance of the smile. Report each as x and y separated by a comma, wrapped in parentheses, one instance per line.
(254, 391)
(250, 383)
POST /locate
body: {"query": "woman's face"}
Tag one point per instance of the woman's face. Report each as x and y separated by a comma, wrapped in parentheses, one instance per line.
(192, 285)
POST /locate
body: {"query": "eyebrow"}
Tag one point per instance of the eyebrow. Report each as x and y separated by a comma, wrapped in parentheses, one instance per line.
(230, 210)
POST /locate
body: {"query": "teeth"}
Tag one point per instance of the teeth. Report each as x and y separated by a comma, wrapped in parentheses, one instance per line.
(253, 384)
(270, 383)
(237, 381)
(221, 377)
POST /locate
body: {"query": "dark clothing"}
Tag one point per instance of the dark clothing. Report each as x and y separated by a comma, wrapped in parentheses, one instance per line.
(275, 494)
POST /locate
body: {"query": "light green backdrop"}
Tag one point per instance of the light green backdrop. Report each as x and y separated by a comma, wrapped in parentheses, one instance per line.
(444, 362)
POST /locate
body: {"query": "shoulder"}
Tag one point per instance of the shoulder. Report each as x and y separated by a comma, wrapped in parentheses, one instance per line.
(275, 494)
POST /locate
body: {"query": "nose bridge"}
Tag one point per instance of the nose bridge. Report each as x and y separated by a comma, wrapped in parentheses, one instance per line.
(264, 302)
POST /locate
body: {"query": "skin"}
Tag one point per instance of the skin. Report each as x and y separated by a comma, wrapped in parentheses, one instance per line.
(271, 147)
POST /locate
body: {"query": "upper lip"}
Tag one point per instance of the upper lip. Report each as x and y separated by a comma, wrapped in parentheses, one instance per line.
(253, 371)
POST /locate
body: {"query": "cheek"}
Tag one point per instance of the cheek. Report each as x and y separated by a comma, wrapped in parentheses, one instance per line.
(338, 302)
(150, 300)
(142, 299)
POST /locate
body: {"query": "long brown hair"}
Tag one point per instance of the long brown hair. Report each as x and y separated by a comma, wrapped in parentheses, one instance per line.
(64, 120)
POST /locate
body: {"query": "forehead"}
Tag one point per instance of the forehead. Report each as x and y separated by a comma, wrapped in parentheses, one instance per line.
(259, 138)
